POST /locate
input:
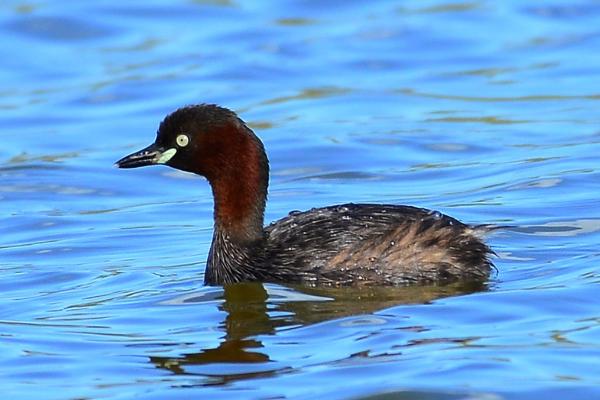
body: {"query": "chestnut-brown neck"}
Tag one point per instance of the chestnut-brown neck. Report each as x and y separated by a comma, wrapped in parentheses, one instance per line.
(239, 180)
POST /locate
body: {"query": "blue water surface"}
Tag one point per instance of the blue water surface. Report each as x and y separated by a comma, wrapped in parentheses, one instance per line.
(485, 110)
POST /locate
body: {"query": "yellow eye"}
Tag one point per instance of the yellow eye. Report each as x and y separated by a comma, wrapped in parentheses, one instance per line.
(182, 140)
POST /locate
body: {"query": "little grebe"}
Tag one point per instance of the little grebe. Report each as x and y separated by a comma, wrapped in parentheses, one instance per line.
(348, 244)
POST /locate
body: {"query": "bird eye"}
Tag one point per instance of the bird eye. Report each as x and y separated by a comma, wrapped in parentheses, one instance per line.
(182, 140)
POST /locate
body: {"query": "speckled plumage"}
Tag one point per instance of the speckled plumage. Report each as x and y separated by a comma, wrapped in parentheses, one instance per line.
(356, 244)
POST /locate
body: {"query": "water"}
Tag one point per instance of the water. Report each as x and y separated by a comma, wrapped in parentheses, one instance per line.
(483, 110)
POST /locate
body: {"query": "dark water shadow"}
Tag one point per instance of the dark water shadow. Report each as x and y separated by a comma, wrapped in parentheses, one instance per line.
(250, 306)
(349, 301)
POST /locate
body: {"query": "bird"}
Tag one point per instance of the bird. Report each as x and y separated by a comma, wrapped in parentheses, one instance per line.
(340, 245)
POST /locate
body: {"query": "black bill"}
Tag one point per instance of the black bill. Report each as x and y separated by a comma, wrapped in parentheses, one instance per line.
(151, 155)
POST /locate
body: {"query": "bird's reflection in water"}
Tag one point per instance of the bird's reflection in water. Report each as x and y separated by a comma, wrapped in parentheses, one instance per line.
(249, 308)
(246, 308)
